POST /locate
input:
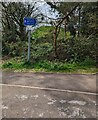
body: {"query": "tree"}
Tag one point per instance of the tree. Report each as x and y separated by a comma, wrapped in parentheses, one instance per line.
(13, 14)
(12, 20)
(56, 31)
(89, 21)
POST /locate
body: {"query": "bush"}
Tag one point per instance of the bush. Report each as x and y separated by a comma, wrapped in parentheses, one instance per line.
(77, 49)
(71, 49)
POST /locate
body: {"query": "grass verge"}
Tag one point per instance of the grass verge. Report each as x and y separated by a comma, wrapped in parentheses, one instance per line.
(17, 65)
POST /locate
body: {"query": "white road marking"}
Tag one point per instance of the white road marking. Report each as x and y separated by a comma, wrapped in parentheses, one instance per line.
(50, 89)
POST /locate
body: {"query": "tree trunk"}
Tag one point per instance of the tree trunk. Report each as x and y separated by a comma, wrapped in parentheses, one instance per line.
(22, 34)
(55, 42)
(65, 31)
(79, 21)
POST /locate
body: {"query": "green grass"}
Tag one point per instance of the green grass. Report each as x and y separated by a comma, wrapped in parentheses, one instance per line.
(43, 45)
(17, 65)
(47, 31)
(42, 32)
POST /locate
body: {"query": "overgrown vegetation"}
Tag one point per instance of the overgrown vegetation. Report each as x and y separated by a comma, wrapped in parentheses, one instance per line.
(78, 55)
(71, 49)
(17, 64)
(75, 53)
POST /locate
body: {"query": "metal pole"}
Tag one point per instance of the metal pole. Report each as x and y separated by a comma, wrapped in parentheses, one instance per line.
(29, 34)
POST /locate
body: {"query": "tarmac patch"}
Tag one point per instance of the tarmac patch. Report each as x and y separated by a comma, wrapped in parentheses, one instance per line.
(21, 97)
(77, 102)
(4, 107)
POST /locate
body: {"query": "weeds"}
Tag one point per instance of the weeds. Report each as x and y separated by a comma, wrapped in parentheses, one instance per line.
(88, 66)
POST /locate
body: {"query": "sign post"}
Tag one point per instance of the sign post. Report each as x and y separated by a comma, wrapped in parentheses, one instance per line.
(29, 22)
(29, 35)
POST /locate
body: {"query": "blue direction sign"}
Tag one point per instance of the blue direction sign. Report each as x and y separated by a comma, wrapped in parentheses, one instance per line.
(30, 21)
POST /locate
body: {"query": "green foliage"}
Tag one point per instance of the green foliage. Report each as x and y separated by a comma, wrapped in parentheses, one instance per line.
(13, 49)
(42, 32)
(13, 64)
(41, 51)
(71, 49)
(74, 53)
(77, 49)
(14, 34)
(55, 66)
(89, 21)
(16, 64)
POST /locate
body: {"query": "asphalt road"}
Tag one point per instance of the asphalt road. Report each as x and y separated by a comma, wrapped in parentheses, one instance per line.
(34, 95)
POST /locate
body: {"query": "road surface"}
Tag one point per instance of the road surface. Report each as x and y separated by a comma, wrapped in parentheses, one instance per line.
(45, 95)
